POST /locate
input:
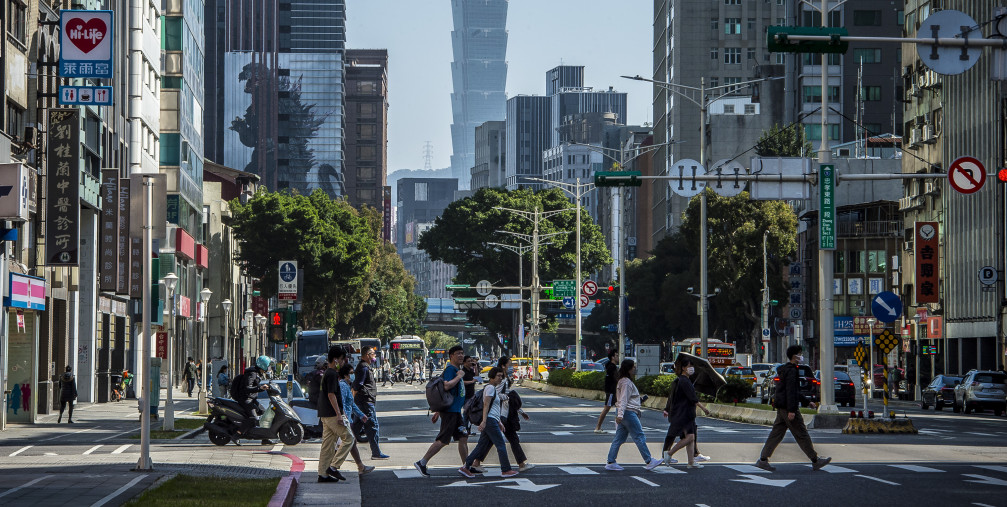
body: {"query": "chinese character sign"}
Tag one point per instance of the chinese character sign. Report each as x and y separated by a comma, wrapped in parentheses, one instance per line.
(927, 262)
(62, 220)
(122, 286)
(85, 47)
(827, 208)
(108, 236)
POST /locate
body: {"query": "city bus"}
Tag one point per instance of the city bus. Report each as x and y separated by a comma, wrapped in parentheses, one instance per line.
(411, 347)
(354, 346)
(720, 354)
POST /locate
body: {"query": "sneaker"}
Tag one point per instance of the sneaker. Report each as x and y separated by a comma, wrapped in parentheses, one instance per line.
(526, 467)
(694, 466)
(702, 457)
(466, 472)
(653, 463)
(366, 470)
(614, 467)
(668, 460)
(334, 472)
(600, 431)
(477, 470)
(422, 469)
(820, 462)
(381, 456)
(326, 478)
(764, 464)
(509, 473)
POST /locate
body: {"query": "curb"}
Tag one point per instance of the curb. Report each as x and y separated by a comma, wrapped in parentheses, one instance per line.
(904, 426)
(287, 488)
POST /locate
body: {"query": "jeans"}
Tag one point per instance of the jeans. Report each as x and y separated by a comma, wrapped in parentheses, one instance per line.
(190, 384)
(491, 436)
(630, 426)
(515, 445)
(370, 428)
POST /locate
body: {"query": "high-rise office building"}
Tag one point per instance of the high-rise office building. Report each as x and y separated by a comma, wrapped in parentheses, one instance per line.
(366, 136)
(479, 76)
(569, 97)
(527, 138)
(275, 90)
(491, 155)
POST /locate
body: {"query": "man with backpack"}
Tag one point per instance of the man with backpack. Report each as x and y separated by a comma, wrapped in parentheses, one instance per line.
(245, 390)
(452, 425)
(314, 379)
(366, 388)
(189, 376)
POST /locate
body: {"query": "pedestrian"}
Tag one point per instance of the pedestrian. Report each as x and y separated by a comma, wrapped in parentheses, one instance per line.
(67, 394)
(489, 429)
(223, 380)
(386, 373)
(452, 426)
(314, 379)
(611, 379)
(199, 374)
(189, 376)
(510, 410)
(345, 383)
(627, 419)
(430, 368)
(788, 414)
(366, 389)
(681, 414)
(335, 425)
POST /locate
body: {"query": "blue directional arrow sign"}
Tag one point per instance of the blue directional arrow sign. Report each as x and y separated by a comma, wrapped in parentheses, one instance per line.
(568, 302)
(886, 307)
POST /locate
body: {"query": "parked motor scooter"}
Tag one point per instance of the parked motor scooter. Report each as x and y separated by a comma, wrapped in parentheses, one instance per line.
(277, 421)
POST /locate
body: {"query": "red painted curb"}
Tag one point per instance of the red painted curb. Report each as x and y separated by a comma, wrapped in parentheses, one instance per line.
(287, 488)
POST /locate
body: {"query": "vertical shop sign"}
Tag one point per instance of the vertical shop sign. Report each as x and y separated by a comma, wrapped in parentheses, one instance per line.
(62, 224)
(927, 262)
(109, 236)
(123, 246)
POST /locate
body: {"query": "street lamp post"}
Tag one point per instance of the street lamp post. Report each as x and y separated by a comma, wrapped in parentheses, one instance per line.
(170, 282)
(520, 251)
(204, 295)
(870, 369)
(259, 338)
(226, 305)
(249, 325)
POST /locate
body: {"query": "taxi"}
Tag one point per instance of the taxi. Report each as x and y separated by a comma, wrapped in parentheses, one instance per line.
(741, 372)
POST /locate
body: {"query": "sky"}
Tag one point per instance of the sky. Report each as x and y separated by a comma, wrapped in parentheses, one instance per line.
(609, 38)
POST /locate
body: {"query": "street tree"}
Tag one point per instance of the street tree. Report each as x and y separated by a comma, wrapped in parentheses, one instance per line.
(392, 307)
(786, 141)
(461, 237)
(439, 340)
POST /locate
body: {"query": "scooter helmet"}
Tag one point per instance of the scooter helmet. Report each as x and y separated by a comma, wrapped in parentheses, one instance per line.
(262, 362)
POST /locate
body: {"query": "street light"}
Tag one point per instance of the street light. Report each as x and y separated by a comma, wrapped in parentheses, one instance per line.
(226, 305)
(870, 369)
(916, 336)
(204, 295)
(170, 282)
(259, 338)
(520, 251)
(249, 326)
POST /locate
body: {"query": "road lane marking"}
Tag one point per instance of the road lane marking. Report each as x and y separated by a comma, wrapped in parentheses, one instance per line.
(396, 439)
(876, 479)
(747, 469)
(19, 451)
(65, 434)
(121, 448)
(980, 434)
(917, 468)
(836, 469)
(667, 470)
(561, 433)
(116, 435)
(89, 451)
(276, 448)
(119, 491)
(408, 474)
(994, 468)
(578, 470)
(25, 485)
(645, 481)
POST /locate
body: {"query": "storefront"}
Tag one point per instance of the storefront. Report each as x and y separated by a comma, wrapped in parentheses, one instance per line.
(26, 298)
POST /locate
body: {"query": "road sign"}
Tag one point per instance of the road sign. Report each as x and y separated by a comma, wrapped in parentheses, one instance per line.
(617, 179)
(765, 334)
(287, 288)
(966, 175)
(776, 39)
(886, 307)
(886, 341)
(590, 287)
(568, 302)
(584, 301)
(86, 95)
(796, 313)
(564, 288)
(484, 287)
(827, 205)
(684, 173)
(85, 44)
(988, 275)
(492, 301)
(729, 186)
(948, 60)
(860, 353)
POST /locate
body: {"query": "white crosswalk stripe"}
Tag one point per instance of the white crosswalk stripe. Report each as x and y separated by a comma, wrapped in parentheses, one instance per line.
(121, 448)
(89, 451)
(917, 468)
(578, 470)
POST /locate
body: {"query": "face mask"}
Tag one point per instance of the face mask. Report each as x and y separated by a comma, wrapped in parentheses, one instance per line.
(800, 359)
(352, 378)
(690, 370)
(510, 369)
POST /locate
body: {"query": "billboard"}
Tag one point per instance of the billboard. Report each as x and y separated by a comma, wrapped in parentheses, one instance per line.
(14, 183)
(85, 43)
(62, 224)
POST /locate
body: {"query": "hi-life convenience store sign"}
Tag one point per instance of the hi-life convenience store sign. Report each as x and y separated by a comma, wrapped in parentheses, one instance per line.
(827, 207)
(85, 44)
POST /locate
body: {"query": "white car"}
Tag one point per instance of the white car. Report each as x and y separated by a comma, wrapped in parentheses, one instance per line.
(761, 370)
(667, 368)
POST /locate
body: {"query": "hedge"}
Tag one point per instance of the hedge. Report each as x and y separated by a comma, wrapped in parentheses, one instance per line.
(653, 385)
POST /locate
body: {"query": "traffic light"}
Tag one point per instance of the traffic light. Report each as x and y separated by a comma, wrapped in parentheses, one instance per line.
(774, 302)
(548, 293)
(617, 178)
(277, 326)
(777, 39)
(1002, 175)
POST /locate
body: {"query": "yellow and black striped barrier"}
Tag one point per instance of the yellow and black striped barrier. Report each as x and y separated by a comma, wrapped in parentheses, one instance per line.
(859, 425)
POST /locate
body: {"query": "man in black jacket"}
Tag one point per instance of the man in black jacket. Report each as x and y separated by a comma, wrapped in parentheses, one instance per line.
(365, 389)
(788, 414)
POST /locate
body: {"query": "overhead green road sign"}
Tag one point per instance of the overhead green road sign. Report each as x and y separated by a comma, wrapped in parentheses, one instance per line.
(564, 288)
(778, 42)
(456, 287)
(617, 178)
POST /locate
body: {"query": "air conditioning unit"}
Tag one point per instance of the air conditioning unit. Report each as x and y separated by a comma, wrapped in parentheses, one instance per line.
(844, 152)
(929, 134)
(904, 203)
(915, 137)
(931, 188)
(907, 246)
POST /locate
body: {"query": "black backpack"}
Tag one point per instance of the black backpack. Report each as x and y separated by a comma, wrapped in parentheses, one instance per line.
(314, 386)
(438, 398)
(474, 407)
(237, 389)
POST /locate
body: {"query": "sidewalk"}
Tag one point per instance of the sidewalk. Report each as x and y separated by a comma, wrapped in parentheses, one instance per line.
(310, 492)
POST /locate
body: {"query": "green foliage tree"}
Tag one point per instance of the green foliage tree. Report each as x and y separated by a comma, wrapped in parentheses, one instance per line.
(392, 308)
(783, 142)
(333, 244)
(460, 236)
(439, 340)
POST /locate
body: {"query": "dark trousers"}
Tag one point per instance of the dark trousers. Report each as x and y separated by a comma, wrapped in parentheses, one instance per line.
(515, 444)
(669, 439)
(797, 429)
(63, 404)
(190, 383)
(370, 428)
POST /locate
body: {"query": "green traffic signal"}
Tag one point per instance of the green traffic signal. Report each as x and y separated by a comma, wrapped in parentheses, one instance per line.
(777, 39)
(774, 302)
(617, 178)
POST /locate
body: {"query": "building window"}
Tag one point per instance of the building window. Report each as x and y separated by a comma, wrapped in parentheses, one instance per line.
(365, 153)
(15, 119)
(751, 24)
(365, 173)
(732, 2)
(16, 22)
(867, 18)
(172, 40)
(870, 93)
(366, 131)
(813, 94)
(814, 18)
(816, 59)
(732, 26)
(813, 132)
(714, 23)
(367, 87)
(781, 21)
(714, 82)
(780, 60)
(714, 54)
(419, 192)
(749, 108)
(873, 129)
(365, 194)
(728, 108)
(732, 56)
(867, 55)
(367, 109)
(751, 53)
(840, 262)
(876, 261)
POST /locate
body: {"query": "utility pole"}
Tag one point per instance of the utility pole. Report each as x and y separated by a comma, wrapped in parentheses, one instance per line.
(520, 251)
(145, 388)
(765, 292)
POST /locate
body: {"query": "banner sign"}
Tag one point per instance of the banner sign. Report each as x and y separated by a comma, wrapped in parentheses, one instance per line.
(386, 230)
(25, 291)
(135, 267)
(62, 220)
(85, 95)
(927, 262)
(108, 238)
(827, 207)
(122, 286)
(85, 44)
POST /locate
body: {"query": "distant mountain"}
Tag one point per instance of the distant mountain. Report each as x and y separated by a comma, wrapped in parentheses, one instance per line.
(395, 176)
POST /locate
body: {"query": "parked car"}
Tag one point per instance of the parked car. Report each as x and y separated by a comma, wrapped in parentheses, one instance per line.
(980, 390)
(846, 392)
(740, 372)
(667, 368)
(808, 385)
(760, 369)
(554, 365)
(940, 392)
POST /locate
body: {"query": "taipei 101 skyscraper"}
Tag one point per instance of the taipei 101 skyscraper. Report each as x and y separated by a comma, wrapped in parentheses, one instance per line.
(479, 76)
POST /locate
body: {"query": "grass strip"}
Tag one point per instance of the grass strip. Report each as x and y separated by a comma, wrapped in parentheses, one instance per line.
(189, 490)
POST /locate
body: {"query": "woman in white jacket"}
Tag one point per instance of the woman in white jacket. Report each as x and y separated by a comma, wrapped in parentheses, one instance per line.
(627, 419)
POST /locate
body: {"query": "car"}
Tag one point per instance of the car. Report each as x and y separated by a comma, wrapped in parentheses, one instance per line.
(591, 366)
(306, 411)
(879, 376)
(554, 365)
(979, 390)
(720, 370)
(808, 385)
(602, 361)
(740, 372)
(846, 392)
(667, 368)
(940, 392)
(760, 370)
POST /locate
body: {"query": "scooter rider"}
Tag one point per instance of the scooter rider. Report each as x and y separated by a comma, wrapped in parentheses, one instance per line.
(247, 389)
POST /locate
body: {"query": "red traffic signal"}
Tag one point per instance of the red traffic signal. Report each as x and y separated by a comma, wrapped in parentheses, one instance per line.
(276, 318)
(1002, 174)
(597, 301)
(611, 288)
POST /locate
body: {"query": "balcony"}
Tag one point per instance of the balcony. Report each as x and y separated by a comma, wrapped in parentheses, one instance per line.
(871, 229)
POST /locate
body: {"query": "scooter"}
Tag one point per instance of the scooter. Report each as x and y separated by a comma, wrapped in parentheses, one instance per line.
(277, 421)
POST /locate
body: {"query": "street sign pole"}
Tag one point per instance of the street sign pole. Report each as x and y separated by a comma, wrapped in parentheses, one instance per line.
(825, 256)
